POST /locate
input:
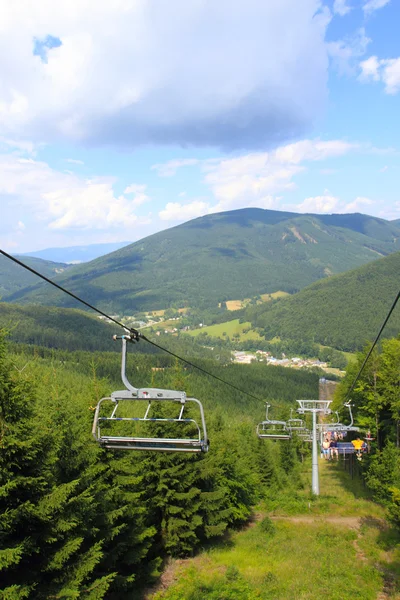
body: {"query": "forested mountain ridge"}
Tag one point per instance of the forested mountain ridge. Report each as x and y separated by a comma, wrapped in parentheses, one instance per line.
(71, 329)
(52, 327)
(14, 278)
(343, 311)
(218, 257)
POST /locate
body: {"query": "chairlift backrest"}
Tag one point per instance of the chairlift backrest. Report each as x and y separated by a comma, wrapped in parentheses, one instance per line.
(295, 424)
(120, 424)
(273, 429)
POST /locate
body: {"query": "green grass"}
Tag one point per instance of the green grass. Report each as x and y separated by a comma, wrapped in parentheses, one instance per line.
(348, 355)
(227, 329)
(337, 545)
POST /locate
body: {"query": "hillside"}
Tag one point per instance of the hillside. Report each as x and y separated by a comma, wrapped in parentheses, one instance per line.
(14, 278)
(343, 311)
(236, 254)
(69, 329)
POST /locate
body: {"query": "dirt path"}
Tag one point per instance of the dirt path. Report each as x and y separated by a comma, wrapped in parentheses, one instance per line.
(351, 522)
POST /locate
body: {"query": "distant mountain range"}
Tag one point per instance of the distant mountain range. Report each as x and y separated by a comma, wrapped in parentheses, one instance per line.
(230, 255)
(76, 254)
(344, 311)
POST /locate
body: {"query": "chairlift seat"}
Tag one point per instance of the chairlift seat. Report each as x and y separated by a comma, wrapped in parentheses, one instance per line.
(153, 444)
(138, 441)
(273, 430)
(121, 409)
(296, 425)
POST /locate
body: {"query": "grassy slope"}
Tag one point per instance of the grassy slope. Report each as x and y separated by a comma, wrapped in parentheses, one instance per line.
(229, 328)
(14, 277)
(341, 548)
(342, 312)
(237, 254)
(238, 304)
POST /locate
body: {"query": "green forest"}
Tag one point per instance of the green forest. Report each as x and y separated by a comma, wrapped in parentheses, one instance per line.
(78, 521)
(340, 311)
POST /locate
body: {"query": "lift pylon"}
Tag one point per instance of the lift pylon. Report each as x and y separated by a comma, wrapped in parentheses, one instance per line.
(315, 407)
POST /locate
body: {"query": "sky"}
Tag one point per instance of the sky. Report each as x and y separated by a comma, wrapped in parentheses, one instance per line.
(120, 119)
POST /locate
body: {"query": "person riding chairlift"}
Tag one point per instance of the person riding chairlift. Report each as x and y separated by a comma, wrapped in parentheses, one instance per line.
(358, 446)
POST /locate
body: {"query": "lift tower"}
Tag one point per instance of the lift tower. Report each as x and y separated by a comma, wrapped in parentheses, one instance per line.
(315, 407)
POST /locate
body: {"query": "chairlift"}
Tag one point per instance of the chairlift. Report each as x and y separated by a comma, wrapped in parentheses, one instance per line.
(305, 436)
(295, 424)
(273, 430)
(118, 425)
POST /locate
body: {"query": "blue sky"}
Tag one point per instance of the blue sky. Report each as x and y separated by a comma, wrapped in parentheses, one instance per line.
(121, 119)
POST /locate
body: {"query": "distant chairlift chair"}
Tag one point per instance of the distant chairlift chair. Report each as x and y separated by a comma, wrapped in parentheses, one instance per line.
(116, 412)
(296, 425)
(273, 430)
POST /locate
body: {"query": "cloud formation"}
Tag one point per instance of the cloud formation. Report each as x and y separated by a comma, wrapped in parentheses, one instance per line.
(340, 7)
(241, 74)
(346, 52)
(64, 200)
(372, 5)
(255, 179)
(385, 70)
(331, 204)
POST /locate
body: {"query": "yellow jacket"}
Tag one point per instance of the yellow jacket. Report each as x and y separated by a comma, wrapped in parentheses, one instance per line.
(358, 444)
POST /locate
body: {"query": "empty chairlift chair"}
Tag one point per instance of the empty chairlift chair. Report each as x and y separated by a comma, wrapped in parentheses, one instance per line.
(273, 430)
(296, 425)
(119, 422)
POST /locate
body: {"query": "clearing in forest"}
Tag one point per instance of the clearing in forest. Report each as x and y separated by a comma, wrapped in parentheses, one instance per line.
(238, 304)
(228, 329)
(338, 546)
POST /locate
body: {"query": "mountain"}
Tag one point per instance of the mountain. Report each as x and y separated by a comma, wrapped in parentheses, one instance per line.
(76, 254)
(14, 278)
(344, 311)
(236, 254)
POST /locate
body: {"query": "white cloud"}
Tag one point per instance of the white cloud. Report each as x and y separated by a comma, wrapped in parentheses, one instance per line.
(358, 204)
(370, 69)
(391, 75)
(340, 7)
(385, 70)
(65, 201)
(331, 204)
(253, 180)
(371, 5)
(384, 169)
(170, 168)
(131, 71)
(319, 204)
(174, 211)
(139, 195)
(23, 146)
(345, 52)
